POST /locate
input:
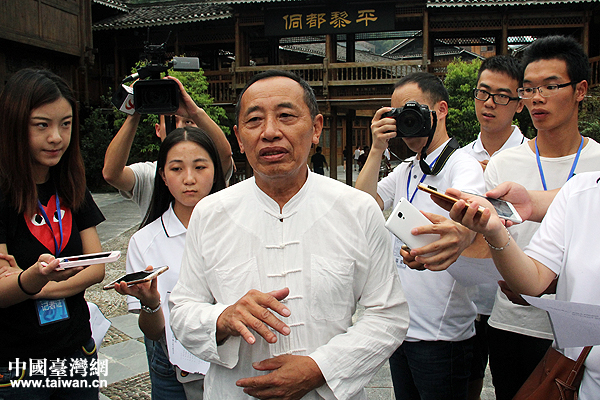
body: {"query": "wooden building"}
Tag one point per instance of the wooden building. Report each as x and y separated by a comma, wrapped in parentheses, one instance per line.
(56, 34)
(236, 39)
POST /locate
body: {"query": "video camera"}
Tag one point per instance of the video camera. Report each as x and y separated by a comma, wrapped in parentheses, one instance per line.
(153, 95)
(412, 120)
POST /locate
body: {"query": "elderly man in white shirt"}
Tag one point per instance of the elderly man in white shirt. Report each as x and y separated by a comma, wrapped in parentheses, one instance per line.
(275, 265)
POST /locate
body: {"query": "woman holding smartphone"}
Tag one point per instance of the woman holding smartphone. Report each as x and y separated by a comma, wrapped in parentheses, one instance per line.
(45, 212)
(188, 169)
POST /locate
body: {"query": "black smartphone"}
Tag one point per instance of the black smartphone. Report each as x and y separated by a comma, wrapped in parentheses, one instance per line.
(137, 277)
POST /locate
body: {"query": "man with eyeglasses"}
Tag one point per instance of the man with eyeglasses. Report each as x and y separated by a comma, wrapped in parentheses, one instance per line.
(496, 103)
(555, 81)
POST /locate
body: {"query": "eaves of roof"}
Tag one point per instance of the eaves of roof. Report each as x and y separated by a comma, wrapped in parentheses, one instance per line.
(490, 3)
(237, 2)
(165, 14)
(112, 4)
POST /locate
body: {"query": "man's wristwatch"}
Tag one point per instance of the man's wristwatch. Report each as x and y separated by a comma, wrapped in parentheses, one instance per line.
(149, 310)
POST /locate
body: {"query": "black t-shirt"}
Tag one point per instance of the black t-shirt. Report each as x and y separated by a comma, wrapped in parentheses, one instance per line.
(21, 334)
(318, 160)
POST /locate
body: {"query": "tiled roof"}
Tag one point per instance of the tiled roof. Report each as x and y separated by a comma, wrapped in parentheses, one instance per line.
(471, 3)
(112, 4)
(318, 49)
(165, 14)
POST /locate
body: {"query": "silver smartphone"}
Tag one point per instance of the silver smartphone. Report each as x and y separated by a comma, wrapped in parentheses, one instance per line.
(504, 209)
(85, 260)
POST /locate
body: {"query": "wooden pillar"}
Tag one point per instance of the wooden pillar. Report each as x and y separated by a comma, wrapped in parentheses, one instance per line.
(274, 51)
(242, 52)
(585, 35)
(502, 46)
(331, 48)
(333, 143)
(350, 47)
(350, 116)
(424, 63)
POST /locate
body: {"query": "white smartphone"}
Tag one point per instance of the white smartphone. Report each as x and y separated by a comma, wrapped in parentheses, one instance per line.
(137, 277)
(405, 217)
(85, 260)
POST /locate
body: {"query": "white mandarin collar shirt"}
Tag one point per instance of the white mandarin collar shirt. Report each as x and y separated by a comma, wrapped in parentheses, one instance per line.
(329, 247)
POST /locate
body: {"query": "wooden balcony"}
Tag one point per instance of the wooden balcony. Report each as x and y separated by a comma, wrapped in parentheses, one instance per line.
(339, 81)
(331, 81)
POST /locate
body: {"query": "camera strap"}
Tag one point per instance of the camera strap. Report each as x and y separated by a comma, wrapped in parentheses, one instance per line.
(450, 148)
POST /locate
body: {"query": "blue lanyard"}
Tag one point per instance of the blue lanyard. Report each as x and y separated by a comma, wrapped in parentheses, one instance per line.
(421, 181)
(57, 247)
(539, 162)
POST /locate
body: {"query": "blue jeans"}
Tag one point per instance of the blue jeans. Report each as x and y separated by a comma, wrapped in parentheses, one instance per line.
(83, 385)
(165, 385)
(431, 370)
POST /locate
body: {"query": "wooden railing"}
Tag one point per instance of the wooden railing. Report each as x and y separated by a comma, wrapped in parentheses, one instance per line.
(382, 73)
(224, 85)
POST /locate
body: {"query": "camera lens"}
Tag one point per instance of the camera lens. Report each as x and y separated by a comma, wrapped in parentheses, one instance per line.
(156, 96)
(409, 122)
(400, 215)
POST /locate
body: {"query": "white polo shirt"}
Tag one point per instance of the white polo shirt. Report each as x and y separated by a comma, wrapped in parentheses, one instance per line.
(476, 149)
(440, 308)
(484, 295)
(519, 165)
(159, 243)
(567, 243)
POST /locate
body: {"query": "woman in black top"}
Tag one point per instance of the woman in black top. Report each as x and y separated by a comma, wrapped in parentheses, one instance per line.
(45, 212)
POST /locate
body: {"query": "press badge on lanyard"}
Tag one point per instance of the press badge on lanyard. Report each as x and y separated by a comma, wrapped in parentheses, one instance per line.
(52, 310)
(397, 257)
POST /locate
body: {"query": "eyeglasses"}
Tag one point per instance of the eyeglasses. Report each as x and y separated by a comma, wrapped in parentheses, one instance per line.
(543, 90)
(497, 98)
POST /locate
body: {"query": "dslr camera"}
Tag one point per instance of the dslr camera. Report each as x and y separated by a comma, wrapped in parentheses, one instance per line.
(151, 94)
(412, 120)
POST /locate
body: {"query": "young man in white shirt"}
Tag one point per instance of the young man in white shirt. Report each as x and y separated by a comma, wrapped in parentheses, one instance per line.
(274, 266)
(136, 181)
(554, 84)
(496, 102)
(434, 360)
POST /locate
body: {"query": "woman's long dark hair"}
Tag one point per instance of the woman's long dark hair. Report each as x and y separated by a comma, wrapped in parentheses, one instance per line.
(161, 196)
(25, 91)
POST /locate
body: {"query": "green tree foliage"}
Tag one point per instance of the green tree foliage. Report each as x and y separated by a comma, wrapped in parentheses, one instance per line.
(100, 124)
(589, 122)
(462, 121)
(460, 80)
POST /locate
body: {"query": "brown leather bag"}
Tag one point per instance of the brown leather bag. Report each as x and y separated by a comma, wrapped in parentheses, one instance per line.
(556, 377)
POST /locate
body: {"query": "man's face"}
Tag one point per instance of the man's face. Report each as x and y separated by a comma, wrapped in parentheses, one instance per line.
(400, 97)
(496, 119)
(276, 131)
(180, 122)
(558, 112)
